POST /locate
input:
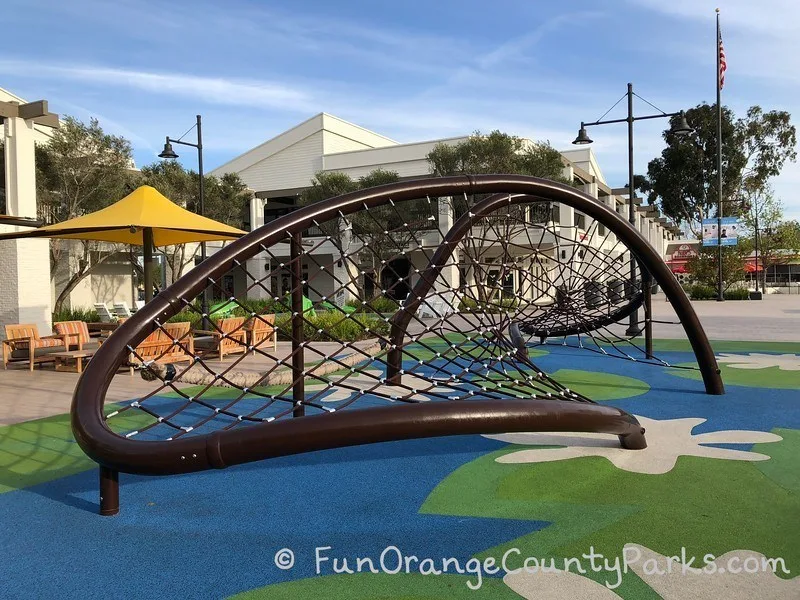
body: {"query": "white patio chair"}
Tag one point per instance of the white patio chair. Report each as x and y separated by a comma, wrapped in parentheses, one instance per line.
(102, 311)
(439, 305)
(121, 310)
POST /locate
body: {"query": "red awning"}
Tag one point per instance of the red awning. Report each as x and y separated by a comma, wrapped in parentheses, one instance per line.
(750, 267)
(677, 266)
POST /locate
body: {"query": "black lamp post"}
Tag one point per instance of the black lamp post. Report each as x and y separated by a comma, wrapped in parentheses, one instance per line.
(168, 152)
(682, 128)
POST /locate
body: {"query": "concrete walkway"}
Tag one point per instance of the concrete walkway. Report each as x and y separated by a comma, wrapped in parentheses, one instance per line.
(776, 318)
(26, 395)
(45, 392)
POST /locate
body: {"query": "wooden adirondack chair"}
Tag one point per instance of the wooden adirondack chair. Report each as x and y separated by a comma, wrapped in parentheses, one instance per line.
(23, 343)
(231, 338)
(260, 329)
(160, 346)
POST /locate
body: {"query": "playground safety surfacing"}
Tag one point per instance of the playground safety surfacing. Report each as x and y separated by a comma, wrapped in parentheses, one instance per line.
(719, 484)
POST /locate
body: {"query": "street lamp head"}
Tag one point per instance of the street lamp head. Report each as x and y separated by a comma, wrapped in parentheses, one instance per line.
(682, 128)
(583, 138)
(167, 152)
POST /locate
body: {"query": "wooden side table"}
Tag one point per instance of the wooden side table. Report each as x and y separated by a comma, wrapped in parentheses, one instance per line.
(63, 359)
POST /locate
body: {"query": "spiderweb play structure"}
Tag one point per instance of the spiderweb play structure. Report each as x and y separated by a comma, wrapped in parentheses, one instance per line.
(470, 272)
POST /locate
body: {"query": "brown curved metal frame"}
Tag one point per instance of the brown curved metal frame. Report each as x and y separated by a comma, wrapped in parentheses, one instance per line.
(220, 449)
(649, 260)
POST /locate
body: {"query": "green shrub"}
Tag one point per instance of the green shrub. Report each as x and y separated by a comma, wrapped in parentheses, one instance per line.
(702, 292)
(192, 316)
(260, 307)
(334, 326)
(707, 292)
(76, 314)
(737, 294)
(379, 304)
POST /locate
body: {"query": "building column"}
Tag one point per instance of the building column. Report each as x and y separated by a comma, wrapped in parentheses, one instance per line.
(566, 231)
(346, 268)
(448, 279)
(258, 263)
(25, 293)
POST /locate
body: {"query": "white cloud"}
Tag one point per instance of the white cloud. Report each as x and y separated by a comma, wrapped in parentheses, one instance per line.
(415, 83)
(215, 90)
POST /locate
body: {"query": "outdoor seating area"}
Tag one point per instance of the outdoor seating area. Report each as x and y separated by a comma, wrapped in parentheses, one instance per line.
(73, 343)
(24, 344)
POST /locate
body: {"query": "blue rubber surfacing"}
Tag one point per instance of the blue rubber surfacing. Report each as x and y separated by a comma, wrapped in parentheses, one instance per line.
(214, 534)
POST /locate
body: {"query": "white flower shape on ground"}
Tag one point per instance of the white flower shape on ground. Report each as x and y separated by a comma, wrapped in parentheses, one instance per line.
(667, 577)
(755, 360)
(368, 380)
(736, 575)
(561, 585)
(666, 441)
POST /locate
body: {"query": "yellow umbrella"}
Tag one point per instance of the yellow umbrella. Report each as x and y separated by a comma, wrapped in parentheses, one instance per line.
(142, 218)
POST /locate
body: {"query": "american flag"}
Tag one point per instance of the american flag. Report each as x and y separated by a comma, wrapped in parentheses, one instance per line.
(723, 65)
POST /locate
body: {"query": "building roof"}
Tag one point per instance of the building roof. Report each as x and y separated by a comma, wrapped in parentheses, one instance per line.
(321, 122)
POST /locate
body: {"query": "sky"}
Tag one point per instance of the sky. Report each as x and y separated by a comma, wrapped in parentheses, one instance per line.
(409, 70)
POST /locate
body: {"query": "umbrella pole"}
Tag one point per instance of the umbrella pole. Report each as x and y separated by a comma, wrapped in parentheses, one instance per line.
(147, 242)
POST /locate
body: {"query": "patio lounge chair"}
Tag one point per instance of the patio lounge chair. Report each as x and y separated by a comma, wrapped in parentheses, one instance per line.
(261, 328)
(23, 343)
(76, 335)
(121, 310)
(103, 313)
(231, 338)
(160, 346)
(438, 305)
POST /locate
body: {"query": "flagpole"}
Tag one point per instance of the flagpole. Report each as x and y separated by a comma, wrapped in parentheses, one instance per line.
(720, 294)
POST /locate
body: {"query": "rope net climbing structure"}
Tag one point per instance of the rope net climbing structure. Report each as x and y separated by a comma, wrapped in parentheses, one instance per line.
(392, 313)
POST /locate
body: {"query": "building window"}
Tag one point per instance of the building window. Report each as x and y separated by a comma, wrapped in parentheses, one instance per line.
(580, 221)
(540, 212)
(506, 286)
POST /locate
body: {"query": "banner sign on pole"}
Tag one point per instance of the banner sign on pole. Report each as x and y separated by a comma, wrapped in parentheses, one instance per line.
(729, 235)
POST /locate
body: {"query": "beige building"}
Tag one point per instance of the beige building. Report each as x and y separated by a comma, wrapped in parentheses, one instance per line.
(281, 168)
(29, 288)
(25, 292)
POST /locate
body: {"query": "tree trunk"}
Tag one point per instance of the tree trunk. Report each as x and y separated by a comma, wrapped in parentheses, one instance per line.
(81, 274)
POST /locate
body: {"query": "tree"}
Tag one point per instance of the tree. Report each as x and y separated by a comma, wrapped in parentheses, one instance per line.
(381, 232)
(778, 245)
(683, 180)
(497, 153)
(80, 170)
(226, 199)
(778, 240)
(703, 267)
(386, 230)
(327, 185)
(769, 141)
